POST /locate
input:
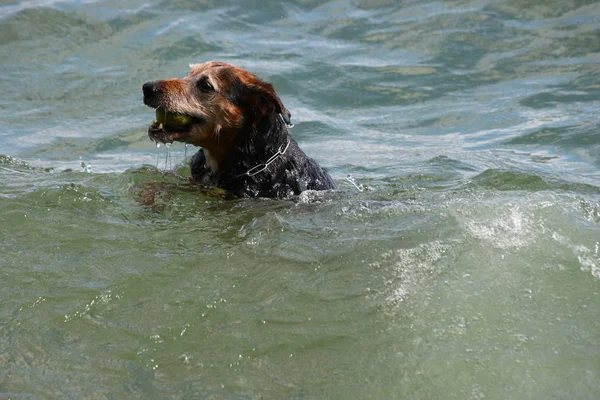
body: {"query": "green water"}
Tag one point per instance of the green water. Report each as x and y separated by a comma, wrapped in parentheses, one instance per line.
(461, 260)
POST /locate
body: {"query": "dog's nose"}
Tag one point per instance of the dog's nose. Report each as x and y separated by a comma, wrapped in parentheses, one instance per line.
(149, 89)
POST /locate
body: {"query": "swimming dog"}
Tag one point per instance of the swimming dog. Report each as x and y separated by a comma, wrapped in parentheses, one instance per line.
(241, 126)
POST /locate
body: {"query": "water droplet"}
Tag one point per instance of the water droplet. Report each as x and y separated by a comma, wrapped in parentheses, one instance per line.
(168, 156)
(157, 153)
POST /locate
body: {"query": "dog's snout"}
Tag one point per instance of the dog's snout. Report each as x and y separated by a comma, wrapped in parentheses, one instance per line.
(149, 89)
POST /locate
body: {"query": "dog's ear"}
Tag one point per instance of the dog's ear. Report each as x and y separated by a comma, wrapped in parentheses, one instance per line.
(256, 99)
(265, 101)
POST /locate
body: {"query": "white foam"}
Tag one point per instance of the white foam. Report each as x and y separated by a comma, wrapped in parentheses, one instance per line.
(412, 266)
(588, 260)
(511, 229)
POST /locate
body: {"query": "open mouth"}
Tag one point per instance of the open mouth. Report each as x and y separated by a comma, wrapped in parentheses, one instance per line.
(171, 126)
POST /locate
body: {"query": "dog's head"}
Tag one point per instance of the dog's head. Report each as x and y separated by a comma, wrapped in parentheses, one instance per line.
(210, 106)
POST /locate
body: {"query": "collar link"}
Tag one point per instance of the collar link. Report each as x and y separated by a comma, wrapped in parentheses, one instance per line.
(257, 169)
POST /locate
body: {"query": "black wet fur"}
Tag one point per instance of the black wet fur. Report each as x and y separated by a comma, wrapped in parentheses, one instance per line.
(290, 174)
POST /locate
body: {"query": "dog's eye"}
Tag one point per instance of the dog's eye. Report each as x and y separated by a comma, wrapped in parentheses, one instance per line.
(205, 85)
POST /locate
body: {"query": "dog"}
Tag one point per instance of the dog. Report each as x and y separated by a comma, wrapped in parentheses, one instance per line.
(241, 126)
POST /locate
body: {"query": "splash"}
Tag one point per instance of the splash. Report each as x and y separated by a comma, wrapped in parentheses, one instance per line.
(512, 228)
(351, 179)
(86, 167)
(589, 261)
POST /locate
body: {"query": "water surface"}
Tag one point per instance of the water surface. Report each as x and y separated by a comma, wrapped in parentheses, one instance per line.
(460, 261)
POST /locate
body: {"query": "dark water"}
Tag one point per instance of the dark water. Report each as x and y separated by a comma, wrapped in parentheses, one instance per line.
(468, 267)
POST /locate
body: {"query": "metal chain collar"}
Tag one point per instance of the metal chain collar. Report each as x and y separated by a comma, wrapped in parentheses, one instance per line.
(261, 167)
(281, 151)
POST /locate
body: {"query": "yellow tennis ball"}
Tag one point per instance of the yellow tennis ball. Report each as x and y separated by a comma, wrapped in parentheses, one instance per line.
(173, 120)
